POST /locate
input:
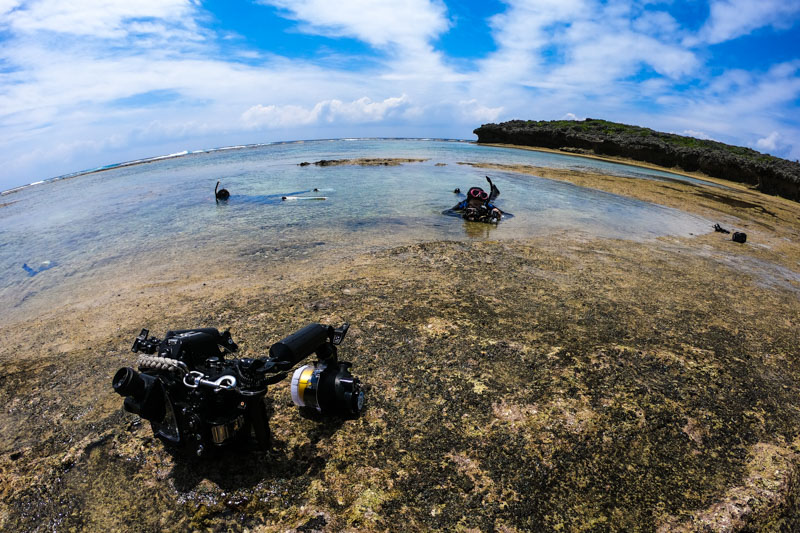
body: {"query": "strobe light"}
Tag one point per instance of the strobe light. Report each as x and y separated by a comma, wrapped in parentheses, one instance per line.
(328, 387)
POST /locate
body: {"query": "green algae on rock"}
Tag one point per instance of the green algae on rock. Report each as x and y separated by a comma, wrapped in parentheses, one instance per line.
(565, 382)
(623, 386)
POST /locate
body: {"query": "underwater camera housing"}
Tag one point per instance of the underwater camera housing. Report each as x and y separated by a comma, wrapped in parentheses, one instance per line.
(481, 213)
(196, 399)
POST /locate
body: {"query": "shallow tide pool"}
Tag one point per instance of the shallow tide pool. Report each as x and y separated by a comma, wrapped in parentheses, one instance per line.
(141, 218)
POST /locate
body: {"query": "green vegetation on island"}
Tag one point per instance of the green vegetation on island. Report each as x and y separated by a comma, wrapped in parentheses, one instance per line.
(769, 174)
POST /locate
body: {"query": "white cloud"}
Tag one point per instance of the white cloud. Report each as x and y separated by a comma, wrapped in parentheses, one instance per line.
(583, 45)
(358, 111)
(753, 94)
(657, 23)
(698, 135)
(589, 56)
(97, 18)
(473, 110)
(738, 103)
(280, 116)
(8, 5)
(410, 23)
(597, 58)
(523, 30)
(770, 142)
(72, 69)
(733, 18)
(403, 30)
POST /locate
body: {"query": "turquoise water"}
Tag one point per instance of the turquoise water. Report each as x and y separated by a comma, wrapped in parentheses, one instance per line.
(163, 214)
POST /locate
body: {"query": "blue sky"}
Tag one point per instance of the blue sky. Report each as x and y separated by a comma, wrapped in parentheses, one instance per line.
(87, 83)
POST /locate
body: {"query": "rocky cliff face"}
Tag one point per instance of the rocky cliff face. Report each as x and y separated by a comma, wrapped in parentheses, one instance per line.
(769, 174)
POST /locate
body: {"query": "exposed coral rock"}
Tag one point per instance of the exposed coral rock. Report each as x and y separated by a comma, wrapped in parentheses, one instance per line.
(386, 162)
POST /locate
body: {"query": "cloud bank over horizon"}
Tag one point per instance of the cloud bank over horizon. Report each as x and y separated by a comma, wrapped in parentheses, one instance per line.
(94, 82)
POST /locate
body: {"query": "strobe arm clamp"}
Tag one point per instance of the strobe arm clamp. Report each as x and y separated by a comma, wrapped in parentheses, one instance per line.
(337, 335)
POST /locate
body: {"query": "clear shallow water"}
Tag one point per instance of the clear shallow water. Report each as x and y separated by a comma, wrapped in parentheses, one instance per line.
(163, 214)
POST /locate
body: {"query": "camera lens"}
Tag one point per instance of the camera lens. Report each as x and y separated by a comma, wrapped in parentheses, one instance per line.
(144, 394)
(127, 382)
(328, 388)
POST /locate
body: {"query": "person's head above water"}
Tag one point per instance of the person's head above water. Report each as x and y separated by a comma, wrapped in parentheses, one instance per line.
(221, 194)
(478, 193)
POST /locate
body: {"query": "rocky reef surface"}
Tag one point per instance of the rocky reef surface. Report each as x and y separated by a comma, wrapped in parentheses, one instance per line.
(365, 162)
(768, 174)
(557, 383)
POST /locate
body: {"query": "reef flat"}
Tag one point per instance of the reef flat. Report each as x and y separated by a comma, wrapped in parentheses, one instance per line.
(767, 173)
(771, 222)
(553, 383)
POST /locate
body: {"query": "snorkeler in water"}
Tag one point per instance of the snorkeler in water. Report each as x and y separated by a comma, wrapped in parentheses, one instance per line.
(221, 194)
(478, 206)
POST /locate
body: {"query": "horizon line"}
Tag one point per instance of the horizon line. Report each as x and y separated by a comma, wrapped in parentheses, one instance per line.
(145, 160)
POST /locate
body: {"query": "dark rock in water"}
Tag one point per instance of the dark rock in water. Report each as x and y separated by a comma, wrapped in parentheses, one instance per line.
(457, 190)
(367, 162)
(304, 164)
(768, 174)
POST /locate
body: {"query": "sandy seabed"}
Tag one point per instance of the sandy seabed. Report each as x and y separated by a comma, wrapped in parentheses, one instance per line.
(562, 382)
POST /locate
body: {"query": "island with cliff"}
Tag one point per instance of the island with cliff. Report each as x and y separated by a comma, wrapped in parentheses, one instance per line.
(766, 173)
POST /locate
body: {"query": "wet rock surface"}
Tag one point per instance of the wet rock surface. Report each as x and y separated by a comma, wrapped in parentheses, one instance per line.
(560, 383)
(368, 162)
(769, 174)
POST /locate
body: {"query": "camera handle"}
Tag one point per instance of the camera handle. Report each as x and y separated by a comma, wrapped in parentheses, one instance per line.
(314, 338)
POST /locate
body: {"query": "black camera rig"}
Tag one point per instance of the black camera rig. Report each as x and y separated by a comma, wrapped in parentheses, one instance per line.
(482, 213)
(197, 400)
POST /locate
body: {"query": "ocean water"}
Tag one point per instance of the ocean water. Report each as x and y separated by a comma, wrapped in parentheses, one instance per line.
(159, 216)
